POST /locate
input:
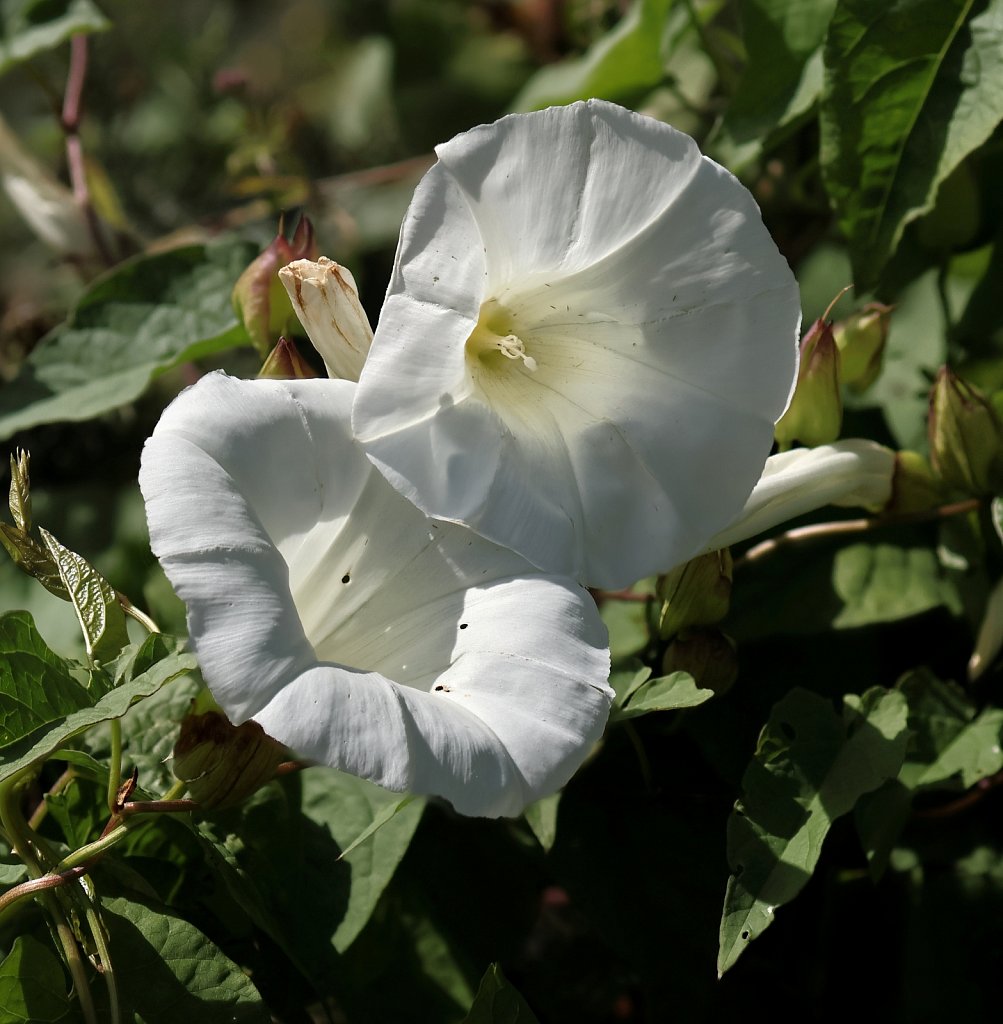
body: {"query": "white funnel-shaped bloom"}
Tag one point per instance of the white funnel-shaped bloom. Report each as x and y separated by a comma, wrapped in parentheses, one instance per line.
(355, 630)
(586, 341)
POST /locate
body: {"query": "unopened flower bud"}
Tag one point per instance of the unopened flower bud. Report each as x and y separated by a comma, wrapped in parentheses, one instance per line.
(258, 296)
(861, 339)
(326, 301)
(284, 362)
(966, 436)
(989, 641)
(915, 488)
(707, 655)
(223, 763)
(815, 414)
(696, 593)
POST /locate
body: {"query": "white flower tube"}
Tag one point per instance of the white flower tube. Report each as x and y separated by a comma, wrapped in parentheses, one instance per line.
(852, 472)
(587, 339)
(351, 627)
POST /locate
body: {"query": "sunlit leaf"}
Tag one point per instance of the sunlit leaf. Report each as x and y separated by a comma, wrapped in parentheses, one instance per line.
(542, 819)
(910, 90)
(629, 58)
(666, 693)
(950, 739)
(810, 768)
(46, 699)
(94, 600)
(144, 317)
(167, 970)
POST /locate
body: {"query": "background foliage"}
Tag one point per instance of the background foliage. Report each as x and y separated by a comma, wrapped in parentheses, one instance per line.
(840, 791)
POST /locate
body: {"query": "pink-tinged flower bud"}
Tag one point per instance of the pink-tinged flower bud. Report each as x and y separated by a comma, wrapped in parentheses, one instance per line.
(815, 414)
(861, 339)
(284, 362)
(915, 488)
(326, 301)
(707, 655)
(223, 763)
(966, 436)
(696, 593)
(258, 296)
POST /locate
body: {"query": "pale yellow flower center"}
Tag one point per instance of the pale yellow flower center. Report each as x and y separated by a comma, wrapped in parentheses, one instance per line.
(494, 335)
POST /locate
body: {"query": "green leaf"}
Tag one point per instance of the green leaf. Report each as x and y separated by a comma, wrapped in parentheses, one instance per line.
(145, 316)
(880, 817)
(627, 623)
(29, 27)
(783, 77)
(950, 742)
(628, 59)
(810, 768)
(497, 1002)
(168, 971)
(20, 491)
(541, 817)
(348, 808)
(885, 582)
(94, 600)
(37, 687)
(34, 560)
(911, 89)
(32, 984)
(44, 703)
(666, 693)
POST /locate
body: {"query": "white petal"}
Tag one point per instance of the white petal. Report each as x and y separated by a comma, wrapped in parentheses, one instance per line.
(326, 301)
(355, 629)
(852, 472)
(659, 323)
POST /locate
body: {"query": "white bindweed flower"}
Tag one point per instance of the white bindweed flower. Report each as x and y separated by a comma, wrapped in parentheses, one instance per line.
(355, 630)
(326, 301)
(852, 472)
(586, 341)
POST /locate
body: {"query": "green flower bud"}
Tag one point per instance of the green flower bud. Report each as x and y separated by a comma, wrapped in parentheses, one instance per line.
(707, 655)
(259, 298)
(861, 339)
(966, 436)
(815, 414)
(915, 488)
(284, 362)
(223, 763)
(696, 593)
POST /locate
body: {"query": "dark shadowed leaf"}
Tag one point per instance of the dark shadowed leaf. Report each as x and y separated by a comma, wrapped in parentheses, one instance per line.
(810, 768)
(911, 89)
(32, 984)
(497, 1002)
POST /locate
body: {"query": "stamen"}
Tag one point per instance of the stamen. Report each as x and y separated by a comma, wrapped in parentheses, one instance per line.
(514, 348)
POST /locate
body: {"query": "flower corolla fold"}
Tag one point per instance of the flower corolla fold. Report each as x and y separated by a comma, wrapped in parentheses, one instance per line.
(854, 472)
(355, 630)
(586, 341)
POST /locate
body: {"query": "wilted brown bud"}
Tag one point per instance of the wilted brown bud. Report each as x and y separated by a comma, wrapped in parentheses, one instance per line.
(707, 655)
(223, 763)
